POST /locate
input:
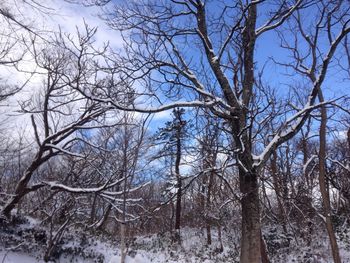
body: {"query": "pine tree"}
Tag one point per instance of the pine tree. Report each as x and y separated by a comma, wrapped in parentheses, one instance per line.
(174, 136)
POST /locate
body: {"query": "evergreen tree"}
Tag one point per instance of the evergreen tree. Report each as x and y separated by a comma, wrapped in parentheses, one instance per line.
(174, 136)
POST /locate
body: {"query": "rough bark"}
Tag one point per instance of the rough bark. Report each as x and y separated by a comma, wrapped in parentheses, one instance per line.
(248, 177)
(250, 241)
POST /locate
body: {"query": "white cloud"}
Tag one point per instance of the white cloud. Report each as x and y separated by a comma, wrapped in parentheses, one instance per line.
(70, 16)
(56, 14)
(162, 116)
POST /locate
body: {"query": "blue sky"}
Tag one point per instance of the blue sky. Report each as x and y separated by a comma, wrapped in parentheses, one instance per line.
(69, 16)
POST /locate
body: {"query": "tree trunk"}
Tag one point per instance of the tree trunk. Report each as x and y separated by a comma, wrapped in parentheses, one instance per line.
(208, 201)
(22, 185)
(54, 238)
(279, 191)
(93, 209)
(179, 181)
(248, 178)
(348, 135)
(221, 248)
(250, 240)
(122, 243)
(178, 213)
(104, 218)
(264, 254)
(309, 186)
(323, 184)
(208, 234)
(20, 191)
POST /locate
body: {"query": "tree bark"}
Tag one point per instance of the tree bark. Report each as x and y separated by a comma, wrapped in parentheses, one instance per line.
(264, 254)
(221, 247)
(250, 240)
(323, 183)
(248, 177)
(178, 212)
(21, 188)
(122, 243)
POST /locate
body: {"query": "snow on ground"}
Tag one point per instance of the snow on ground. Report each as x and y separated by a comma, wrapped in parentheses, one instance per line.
(17, 257)
(79, 247)
(137, 259)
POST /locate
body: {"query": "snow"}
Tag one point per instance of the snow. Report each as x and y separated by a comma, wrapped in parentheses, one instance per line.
(17, 257)
(160, 248)
(137, 259)
(306, 165)
(60, 149)
(214, 59)
(290, 126)
(179, 104)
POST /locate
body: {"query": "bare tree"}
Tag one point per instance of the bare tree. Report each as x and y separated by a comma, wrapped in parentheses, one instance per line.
(58, 111)
(17, 37)
(205, 57)
(121, 175)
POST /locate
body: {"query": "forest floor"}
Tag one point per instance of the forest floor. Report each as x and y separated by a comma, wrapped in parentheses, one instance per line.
(26, 242)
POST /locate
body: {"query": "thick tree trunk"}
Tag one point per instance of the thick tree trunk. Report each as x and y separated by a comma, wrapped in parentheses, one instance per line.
(248, 178)
(250, 240)
(22, 186)
(20, 191)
